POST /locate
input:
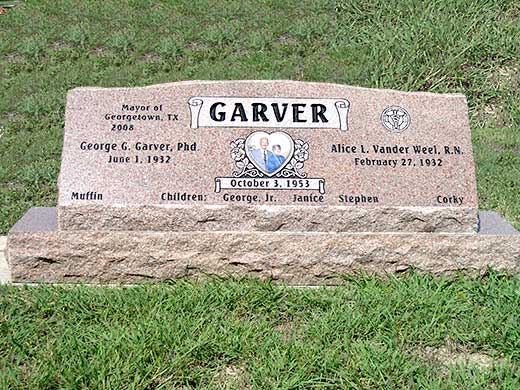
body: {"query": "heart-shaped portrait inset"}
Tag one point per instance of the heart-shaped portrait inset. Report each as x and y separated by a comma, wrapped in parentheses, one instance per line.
(269, 152)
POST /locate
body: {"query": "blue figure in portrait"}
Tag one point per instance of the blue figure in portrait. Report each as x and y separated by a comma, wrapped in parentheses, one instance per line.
(276, 159)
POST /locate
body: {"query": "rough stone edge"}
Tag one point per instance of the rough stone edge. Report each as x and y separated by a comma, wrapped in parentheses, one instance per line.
(268, 218)
(286, 257)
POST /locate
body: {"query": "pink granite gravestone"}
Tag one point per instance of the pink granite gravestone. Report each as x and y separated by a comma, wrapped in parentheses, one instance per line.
(289, 180)
(266, 155)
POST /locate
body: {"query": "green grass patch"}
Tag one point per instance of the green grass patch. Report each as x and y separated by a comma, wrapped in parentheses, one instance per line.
(48, 47)
(366, 333)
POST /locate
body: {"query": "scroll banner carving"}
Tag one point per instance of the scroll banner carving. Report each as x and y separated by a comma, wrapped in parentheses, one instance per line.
(214, 111)
(231, 183)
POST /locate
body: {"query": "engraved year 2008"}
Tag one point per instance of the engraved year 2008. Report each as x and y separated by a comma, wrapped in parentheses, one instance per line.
(122, 127)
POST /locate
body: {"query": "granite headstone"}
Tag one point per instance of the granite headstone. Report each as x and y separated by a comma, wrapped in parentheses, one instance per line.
(292, 181)
(266, 155)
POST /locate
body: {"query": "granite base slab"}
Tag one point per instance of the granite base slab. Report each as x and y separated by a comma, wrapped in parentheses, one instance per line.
(38, 252)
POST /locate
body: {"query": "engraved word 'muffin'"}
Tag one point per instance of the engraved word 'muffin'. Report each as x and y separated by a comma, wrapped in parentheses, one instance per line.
(90, 195)
(275, 112)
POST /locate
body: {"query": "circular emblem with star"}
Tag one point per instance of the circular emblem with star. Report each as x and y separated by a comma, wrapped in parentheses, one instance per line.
(395, 119)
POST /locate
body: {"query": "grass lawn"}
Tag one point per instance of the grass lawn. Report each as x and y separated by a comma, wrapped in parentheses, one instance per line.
(48, 47)
(405, 332)
(411, 332)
